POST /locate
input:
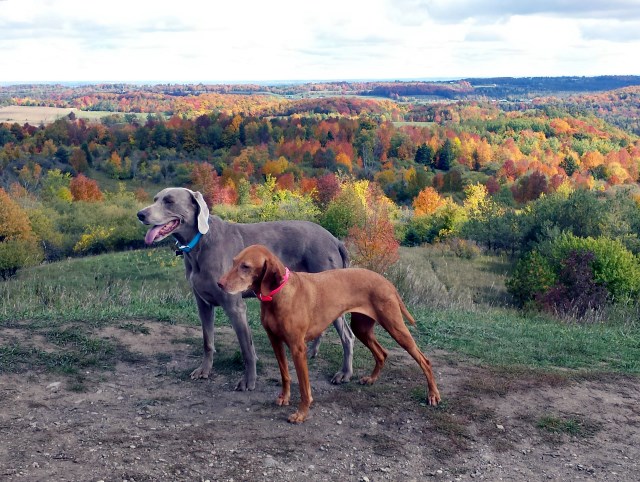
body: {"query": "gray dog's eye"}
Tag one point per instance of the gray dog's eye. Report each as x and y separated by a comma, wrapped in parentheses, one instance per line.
(169, 200)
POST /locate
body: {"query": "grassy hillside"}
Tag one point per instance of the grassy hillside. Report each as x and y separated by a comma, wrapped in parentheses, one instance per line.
(460, 306)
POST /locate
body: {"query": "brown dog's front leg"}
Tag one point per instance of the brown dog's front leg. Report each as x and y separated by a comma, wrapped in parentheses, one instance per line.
(299, 354)
(281, 356)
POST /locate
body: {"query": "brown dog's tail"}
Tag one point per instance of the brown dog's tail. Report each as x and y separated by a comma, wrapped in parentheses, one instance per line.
(404, 310)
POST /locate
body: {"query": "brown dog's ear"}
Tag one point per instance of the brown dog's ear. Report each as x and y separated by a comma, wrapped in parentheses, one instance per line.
(203, 212)
(272, 275)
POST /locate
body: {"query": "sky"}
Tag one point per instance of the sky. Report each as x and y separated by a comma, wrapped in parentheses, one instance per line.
(280, 40)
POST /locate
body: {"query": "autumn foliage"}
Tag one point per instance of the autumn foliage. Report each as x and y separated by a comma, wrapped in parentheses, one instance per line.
(427, 202)
(19, 246)
(373, 244)
(84, 189)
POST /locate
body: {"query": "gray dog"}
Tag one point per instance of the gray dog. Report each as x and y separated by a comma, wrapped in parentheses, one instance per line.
(209, 245)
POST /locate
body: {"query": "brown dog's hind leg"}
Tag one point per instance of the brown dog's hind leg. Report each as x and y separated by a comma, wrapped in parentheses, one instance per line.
(362, 326)
(398, 330)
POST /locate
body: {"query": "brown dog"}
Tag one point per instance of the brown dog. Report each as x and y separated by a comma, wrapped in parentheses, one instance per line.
(297, 307)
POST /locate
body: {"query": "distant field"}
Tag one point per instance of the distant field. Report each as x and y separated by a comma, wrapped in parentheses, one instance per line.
(37, 115)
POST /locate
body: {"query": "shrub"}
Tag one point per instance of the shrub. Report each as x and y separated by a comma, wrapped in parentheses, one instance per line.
(19, 246)
(420, 229)
(614, 266)
(576, 291)
(533, 276)
(569, 264)
(462, 248)
(373, 245)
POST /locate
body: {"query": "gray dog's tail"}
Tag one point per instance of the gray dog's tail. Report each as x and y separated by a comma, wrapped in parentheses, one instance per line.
(343, 253)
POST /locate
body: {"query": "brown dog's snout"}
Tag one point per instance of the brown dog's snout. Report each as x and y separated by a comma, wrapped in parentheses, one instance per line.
(221, 283)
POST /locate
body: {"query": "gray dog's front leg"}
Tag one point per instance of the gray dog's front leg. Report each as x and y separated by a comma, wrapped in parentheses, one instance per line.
(207, 318)
(347, 338)
(237, 313)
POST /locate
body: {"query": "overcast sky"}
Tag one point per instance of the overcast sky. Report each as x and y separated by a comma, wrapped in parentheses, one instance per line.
(262, 40)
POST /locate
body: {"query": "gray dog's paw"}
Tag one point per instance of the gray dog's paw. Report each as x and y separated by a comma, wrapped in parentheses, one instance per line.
(244, 385)
(199, 373)
(341, 377)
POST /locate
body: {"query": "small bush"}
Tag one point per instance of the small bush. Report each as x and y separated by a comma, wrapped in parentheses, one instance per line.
(420, 230)
(19, 246)
(576, 291)
(614, 266)
(573, 275)
(462, 248)
(532, 276)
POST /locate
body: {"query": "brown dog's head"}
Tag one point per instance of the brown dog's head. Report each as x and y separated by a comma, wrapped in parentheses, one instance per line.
(254, 267)
(175, 209)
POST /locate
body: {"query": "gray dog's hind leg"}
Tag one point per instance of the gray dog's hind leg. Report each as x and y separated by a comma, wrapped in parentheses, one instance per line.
(236, 310)
(207, 318)
(347, 338)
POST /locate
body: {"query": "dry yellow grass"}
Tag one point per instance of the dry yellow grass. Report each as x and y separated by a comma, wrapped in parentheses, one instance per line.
(36, 115)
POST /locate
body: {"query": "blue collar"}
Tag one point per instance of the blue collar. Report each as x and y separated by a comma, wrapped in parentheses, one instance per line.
(188, 247)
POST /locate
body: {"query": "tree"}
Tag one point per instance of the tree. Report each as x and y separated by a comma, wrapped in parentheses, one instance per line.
(372, 242)
(78, 160)
(530, 187)
(62, 155)
(84, 189)
(55, 185)
(570, 164)
(19, 246)
(427, 202)
(424, 155)
(445, 156)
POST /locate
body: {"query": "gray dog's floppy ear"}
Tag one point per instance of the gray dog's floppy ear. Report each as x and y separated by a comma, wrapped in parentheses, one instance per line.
(203, 212)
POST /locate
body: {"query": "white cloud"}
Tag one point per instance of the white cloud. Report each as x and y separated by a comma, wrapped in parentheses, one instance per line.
(204, 40)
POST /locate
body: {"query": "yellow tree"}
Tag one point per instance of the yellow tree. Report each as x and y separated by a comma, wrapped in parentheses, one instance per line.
(476, 199)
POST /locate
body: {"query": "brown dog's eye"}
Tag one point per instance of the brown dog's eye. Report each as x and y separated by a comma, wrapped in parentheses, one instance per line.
(244, 267)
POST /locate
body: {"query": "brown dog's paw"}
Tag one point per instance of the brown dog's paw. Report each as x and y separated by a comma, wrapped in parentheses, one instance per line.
(297, 417)
(282, 400)
(367, 381)
(433, 399)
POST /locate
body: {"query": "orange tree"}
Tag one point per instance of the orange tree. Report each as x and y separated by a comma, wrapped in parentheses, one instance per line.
(373, 244)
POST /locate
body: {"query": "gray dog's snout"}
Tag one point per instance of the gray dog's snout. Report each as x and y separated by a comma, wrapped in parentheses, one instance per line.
(142, 215)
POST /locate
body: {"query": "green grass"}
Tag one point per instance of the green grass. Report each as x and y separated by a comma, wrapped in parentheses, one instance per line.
(148, 284)
(505, 337)
(459, 306)
(576, 427)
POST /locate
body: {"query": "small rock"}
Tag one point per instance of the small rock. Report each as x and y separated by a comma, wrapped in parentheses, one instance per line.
(269, 461)
(364, 478)
(339, 422)
(499, 427)
(54, 387)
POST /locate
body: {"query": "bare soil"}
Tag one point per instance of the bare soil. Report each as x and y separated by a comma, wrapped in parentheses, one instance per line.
(146, 420)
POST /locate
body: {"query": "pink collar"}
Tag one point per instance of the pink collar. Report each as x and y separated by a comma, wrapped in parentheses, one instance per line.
(269, 297)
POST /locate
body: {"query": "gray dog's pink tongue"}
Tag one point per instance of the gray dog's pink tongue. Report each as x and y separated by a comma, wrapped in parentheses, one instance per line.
(152, 233)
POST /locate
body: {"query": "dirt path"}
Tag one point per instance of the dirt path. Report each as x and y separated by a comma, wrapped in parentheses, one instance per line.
(147, 421)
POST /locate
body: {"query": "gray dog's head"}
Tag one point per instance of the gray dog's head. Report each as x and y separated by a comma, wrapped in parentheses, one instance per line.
(174, 210)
